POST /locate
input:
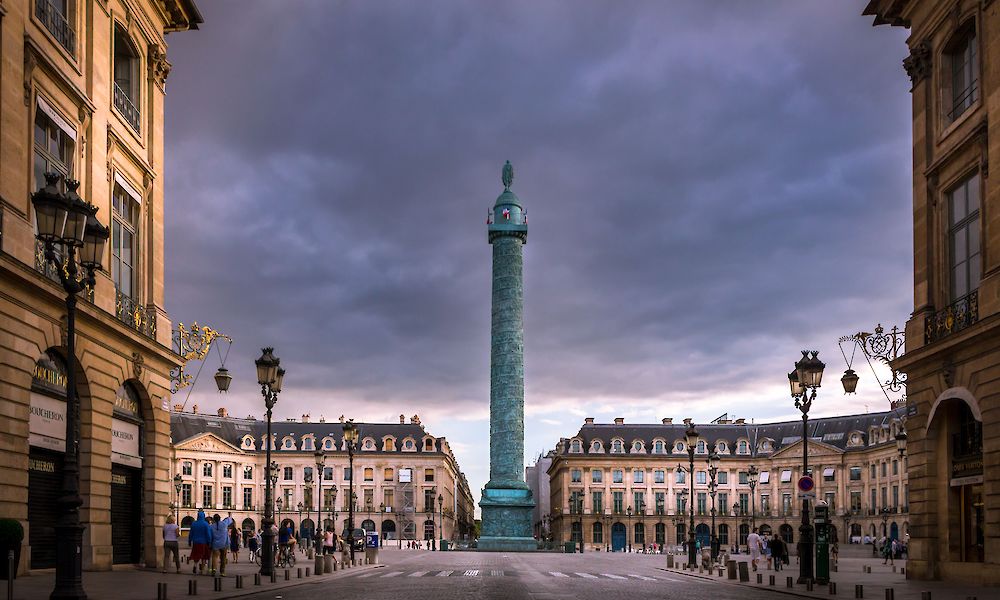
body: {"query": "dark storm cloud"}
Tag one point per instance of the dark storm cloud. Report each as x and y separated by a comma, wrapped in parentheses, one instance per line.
(710, 186)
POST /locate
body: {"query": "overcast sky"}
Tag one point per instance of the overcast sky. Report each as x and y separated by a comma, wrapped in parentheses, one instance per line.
(712, 187)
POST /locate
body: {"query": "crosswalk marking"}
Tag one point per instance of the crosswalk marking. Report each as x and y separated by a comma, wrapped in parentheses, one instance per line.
(496, 573)
(610, 576)
(444, 573)
(472, 573)
(418, 573)
(393, 574)
(642, 577)
(586, 575)
(557, 574)
(368, 575)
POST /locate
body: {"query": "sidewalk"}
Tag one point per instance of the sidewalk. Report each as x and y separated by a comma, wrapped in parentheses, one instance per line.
(132, 583)
(850, 572)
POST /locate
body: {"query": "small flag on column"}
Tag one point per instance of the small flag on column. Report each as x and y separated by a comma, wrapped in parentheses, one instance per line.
(506, 214)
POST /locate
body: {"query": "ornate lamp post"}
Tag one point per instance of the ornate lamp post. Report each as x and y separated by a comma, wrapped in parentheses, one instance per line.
(333, 509)
(692, 442)
(441, 517)
(270, 376)
(177, 497)
(320, 466)
(752, 477)
(683, 497)
(351, 438)
(804, 381)
(713, 470)
(628, 532)
(67, 225)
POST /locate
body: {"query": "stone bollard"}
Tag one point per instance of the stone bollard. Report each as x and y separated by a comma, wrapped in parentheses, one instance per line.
(307, 571)
(161, 591)
(925, 595)
(833, 588)
(217, 584)
(835, 569)
(287, 575)
(744, 572)
(309, 554)
(256, 578)
(859, 590)
(192, 587)
(902, 570)
(890, 594)
(788, 582)
(670, 561)
(335, 565)
(239, 582)
(274, 576)
(770, 580)
(298, 572)
(720, 571)
(893, 568)
(809, 585)
(329, 564)
(760, 578)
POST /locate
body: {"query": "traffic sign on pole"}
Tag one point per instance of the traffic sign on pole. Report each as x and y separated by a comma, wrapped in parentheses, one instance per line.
(806, 483)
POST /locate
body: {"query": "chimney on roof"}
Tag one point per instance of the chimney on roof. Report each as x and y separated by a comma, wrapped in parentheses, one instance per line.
(588, 421)
(724, 421)
(290, 419)
(305, 418)
(402, 419)
(415, 420)
(178, 408)
(341, 418)
(322, 419)
(687, 421)
(668, 420)
(221, 412)
(740, 421)
(194, 409)
(619, 420)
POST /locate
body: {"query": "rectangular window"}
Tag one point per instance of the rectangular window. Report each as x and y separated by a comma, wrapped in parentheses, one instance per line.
(369, 474)
(307, 474)
(723, 505)
(895, 467)
(576, 476)
(328, 473)
(764, 477)
(855, 473)
(659, 476)
(786, 476)
(963, 234)
(744, 504)
(227, 471)
(328, 498)
(124, 240)
(247, 498)
(786, 504)
(287, 502)
(617, 476)
(206, 497)
(597, 502)
(288, 474)
(248, 472)
(387, 498)
(429, 500)
(429, 475)
(307, 497)
(874, 503)
(830, 498)
(639, 502)
(53, 148)
(681, 504)
(227, 496)
(679, 476)
(660, 499)
(722, 477)
(369, 498)
(186, 495)
(873, 472)
(638, 476)
(885, 497)
(964, 74)
(829, 474)
(700, 477)
(702, 503)
(743, 478)
(855, 501)
(596, 476)
(884, 469)
(387, 474)
(186, 468)
(347, 473)
(765, 504)
(618, 499)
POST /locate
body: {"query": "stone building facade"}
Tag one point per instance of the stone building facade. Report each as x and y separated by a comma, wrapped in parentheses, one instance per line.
(81, 94)
(400, 470)
(953, 335)
(618, 485)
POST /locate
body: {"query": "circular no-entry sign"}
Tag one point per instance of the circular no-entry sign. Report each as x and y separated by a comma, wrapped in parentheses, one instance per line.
(806, 483)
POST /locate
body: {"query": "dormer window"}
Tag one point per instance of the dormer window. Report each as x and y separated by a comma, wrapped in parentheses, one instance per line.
(126, 85)
(595, 446)
(248, 442)
(328, 444)
(428, 445)
(637, 446)
(702, 447)
(288, 444)
(575, 446)
(369, 444)
(308, 444)
(743, 447)
(388, 445)
(658, 447)
(721, 447)
(408, 445)
(961, 81)
(617, 446)
(679, 447)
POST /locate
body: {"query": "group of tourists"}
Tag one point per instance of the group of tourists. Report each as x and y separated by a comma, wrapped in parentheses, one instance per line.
(774, 550)
(211, 540)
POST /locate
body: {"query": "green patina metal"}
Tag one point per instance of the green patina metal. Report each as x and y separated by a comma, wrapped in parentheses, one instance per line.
(507, 502)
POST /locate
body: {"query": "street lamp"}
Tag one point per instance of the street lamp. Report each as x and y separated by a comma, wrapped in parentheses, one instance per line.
(320, 464)
(713, 470)
(901, 444)
(333, 509)
(692, 442)
(441, 517)
(65, 224)
(804, 381)
(683, 497)
(752, 478)
(351, 438)
(177, 496)
(628, 532)
(270, 376)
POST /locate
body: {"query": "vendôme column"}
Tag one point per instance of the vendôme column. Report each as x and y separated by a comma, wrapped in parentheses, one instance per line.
(507, 503)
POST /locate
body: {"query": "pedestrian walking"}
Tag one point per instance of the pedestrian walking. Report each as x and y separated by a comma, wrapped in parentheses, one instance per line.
(253, 543)
(887, 552)
(234, 542)
(835, 552)
(754, 546)
(200, 538)
(220, 543)
(778, 552)
(170, 540)
(767, 551)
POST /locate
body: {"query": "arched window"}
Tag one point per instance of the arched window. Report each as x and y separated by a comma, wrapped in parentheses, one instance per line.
(595, 446)
(186, 523)
(617, 446)
(428, 445)
(576, 533)
(206, 469)
(701, 447)
(637, 446)
(288, 444)
(328, 443)
(598, 533)
(575, 446)
(126, 86)
(744, 532)
(681, 530)
(679, 447)
(308, 444)
(743, 447)
(787, 533)
(658, 447)
(721, 447)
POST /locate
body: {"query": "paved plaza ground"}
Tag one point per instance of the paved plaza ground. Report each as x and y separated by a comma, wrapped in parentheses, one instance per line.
(415, 574)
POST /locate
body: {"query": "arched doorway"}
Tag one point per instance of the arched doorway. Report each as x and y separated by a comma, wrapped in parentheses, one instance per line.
(126, 475)
(618, 537)
(856, 533)
(186, 524)
(660, 534)
(249, 527)
(787, 533)
(47, 445)
(764, 530)
(388, 529)
(429, 530)
(702, 535)
(368, 525)
(893, 531)
(307, 528)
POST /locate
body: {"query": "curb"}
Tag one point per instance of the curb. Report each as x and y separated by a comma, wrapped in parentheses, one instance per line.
(281, 585)
(740, 585)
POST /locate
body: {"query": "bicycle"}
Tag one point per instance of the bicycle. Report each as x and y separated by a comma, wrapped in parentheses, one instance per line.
(284, 557)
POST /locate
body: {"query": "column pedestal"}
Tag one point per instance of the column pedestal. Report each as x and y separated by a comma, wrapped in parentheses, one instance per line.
(507, 520)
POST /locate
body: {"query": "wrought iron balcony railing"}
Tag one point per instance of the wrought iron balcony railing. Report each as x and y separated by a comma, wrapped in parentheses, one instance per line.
(953, 318)
(49, 270)
(128, 110)
(55, 21)
(135, 316)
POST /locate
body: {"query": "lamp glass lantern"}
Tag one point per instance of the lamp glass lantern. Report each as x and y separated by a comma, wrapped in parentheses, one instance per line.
(350, 432)
(95, 238)
(850, 381)
(809, 369)
(901, 442)
(713, 460)
(50, 210)
(267, 367)
(795, 384)
(223, 379)
(77, 212)
(692, 436)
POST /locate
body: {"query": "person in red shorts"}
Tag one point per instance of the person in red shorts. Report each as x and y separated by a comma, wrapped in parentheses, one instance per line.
(200, 537)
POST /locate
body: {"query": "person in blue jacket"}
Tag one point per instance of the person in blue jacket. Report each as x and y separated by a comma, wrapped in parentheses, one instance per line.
(200, 538)
(220, 542)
